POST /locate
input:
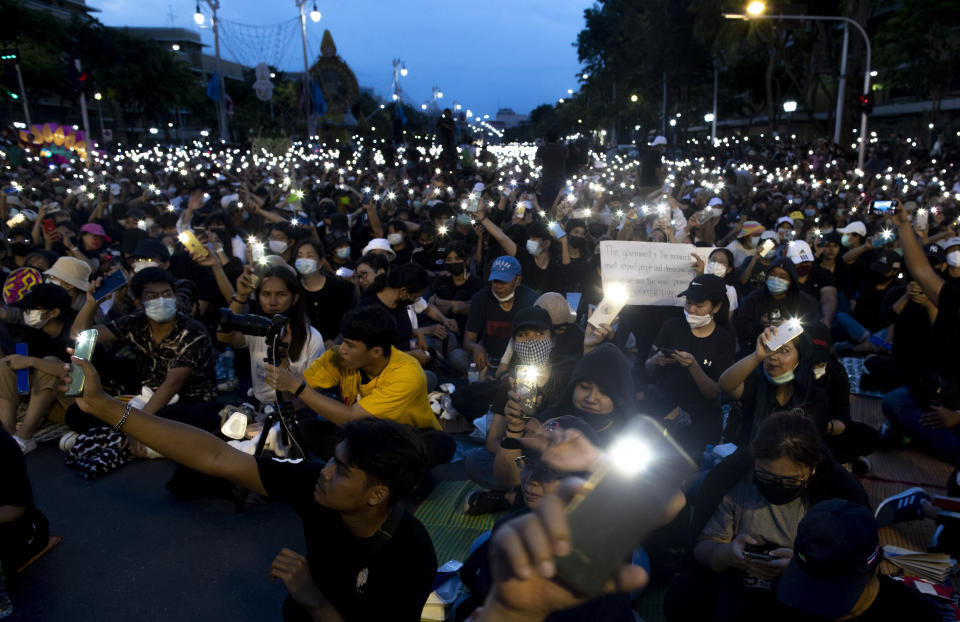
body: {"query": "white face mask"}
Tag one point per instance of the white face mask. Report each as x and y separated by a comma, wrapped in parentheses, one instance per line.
(278, 246)
(953, 259)
(505, 298)
(697, 321)
(716, 268)
(533, 247)
(141, 265)
(395, 238)
(34, 318)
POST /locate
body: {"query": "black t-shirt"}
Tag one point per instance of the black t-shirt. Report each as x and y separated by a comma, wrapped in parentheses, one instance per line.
(327, 306)
(842, 276)
(817, 279)
(400, 316)
(364, 578)
(674, 384)
(40, 344)
(911, 335)
(553, 157)
(894, 601)
(946, 332)
(869, 305)
(492, 325)
(445, 289)
(757, 278)
(549, 279)
(650, 161)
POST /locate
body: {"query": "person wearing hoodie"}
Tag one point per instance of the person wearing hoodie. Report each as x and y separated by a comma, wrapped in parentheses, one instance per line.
(533, 343)
(780, 300)
(691, 353)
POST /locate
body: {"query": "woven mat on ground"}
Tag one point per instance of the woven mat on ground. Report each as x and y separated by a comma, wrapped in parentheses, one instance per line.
(855, 369)
(892, 472)
(451, 530)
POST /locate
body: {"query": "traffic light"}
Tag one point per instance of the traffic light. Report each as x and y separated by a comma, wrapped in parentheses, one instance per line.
(866, 103)
(10, 55)
(78, 78)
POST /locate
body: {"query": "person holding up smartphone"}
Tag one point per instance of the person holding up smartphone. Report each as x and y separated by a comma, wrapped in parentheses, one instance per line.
(745, 521)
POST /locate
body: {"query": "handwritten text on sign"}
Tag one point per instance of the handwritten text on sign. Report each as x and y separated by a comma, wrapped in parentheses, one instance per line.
(653, 272)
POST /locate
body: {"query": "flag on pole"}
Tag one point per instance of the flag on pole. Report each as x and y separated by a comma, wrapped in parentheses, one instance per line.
(213, 87)
(319, 103)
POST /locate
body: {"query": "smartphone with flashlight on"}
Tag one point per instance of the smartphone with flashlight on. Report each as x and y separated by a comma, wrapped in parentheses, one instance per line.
(621, 504)
(528, 389)
(86, 342)
(614, 299)
(766, 246)
(788, 331)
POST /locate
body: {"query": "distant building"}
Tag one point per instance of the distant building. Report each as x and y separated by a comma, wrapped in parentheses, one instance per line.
(62, 8)
(508, 119)
(187, 43)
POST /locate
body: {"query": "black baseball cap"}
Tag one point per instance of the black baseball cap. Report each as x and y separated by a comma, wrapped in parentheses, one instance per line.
(151, 248)
(934, 253)
(705, 287)
(532, 317)
(833, 236)
(836, 554)
(886, 262)
(47, 296)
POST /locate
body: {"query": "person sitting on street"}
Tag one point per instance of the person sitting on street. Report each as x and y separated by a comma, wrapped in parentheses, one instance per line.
(48, 316)
(366, 557)
(781, 299)
(375, 379)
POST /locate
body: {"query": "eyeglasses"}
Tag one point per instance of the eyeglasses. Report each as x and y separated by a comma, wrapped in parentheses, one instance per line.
(769, 478)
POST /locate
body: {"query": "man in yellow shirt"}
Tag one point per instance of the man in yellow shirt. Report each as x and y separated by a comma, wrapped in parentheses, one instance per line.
(375, 380)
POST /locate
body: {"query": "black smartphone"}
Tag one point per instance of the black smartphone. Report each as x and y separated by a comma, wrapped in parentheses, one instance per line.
(666, 351)
(111, 283)
(622, 503)
(757, 552)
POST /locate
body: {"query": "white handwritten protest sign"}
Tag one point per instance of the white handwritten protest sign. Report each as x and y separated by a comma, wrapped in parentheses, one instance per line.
(653, 272)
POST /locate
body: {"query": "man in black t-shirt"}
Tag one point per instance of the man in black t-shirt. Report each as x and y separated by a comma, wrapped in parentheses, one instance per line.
(366, 557)
(814, 280)
(650, 176)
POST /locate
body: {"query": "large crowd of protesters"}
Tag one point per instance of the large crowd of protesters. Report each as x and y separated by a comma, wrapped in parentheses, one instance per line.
(412, 284)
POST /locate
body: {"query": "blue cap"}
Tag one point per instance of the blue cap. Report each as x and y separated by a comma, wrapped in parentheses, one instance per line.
(504, 268)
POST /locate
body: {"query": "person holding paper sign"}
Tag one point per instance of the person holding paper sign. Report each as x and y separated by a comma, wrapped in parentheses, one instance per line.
(691, 353)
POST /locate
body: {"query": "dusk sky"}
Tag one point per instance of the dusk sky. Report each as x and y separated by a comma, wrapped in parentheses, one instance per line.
(485, 55)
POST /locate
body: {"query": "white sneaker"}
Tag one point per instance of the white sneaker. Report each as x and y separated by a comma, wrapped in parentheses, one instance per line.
(68, 440)
(248, 446)
(26, 444)
(274, 443)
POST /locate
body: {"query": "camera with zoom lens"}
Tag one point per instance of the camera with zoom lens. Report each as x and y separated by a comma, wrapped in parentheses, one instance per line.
(271, 328)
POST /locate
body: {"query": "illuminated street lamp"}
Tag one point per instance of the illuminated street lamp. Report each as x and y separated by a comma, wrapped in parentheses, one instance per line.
(789, 106)
(756, 8)
(198, 16)
(708, 118)
(315, 14)
(634, 98)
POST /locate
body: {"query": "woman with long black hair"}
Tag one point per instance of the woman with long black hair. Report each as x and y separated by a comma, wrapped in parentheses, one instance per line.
(277, 293)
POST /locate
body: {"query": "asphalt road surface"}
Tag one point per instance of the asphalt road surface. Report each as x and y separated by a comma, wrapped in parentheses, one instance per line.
(131, 551)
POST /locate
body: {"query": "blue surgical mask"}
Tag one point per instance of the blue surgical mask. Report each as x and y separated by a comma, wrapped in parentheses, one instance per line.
(161, 309)
(533, 247)
(809, 212)
(305, 265)
(845, 241)
(783, 378)
(776, 285)
(343, 252)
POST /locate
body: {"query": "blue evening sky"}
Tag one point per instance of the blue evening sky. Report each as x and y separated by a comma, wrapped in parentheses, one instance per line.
(485, 54)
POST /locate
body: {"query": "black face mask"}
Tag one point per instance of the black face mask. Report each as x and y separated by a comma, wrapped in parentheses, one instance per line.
(776, 493)
(578, 243)
(456, 269)
(429, 246)
(22, 249)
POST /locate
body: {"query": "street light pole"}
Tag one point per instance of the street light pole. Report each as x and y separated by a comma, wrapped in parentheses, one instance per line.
(308, 96)
(866, 74)
(842, 87)
(221, 103)
(716, 86)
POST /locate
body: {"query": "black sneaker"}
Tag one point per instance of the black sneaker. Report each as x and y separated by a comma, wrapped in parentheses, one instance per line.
(485, 502)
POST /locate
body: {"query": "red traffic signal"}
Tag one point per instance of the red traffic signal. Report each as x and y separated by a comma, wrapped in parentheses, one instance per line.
(866, 103)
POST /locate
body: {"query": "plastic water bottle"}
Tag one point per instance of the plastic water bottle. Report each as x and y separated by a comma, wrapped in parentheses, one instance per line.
(473, 375)
(226, 376)
(228, 365)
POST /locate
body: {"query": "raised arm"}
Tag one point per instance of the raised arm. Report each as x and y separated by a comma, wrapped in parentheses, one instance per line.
(916, 259)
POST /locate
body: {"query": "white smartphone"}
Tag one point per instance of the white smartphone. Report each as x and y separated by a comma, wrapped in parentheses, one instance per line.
(614, 299)
(788, 331)
(766, 247)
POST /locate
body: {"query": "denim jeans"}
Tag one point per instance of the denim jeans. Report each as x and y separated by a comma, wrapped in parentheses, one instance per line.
(904, 415)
